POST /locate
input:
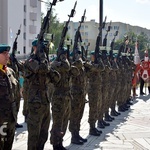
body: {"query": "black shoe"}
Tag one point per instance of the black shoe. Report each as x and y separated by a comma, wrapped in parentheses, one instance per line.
(62, 147)
(113, 113)
(117, 112)
(100, 125)
(19, 126)
(57, 147)
(108, 119)
(99, 131)
(82, 139)
(142, 93)
(112, 118)
(120, 108)
(105, 123)
(94, 132)
(76, 140)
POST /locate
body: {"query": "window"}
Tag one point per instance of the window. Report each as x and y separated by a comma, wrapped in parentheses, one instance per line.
(24, 50)
(24, 22)
(24, 8)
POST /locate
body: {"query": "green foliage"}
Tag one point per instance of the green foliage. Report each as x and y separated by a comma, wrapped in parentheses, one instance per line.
(143, 42)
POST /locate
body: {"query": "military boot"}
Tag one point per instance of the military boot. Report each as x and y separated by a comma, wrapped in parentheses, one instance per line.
(113, 113)
(57, 147)
(82, 139)
(94, 132)
(100, 124)
(105, 123)
(75, 139)
(107, 117)
(62, 147)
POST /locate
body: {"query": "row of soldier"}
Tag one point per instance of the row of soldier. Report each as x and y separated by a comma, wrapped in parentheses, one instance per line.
(71, 81)
(64, 83)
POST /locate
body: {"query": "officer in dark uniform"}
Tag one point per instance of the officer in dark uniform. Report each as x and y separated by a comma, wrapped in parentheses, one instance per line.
(8, 112)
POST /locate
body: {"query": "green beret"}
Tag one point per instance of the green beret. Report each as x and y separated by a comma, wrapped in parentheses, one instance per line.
(92, 53)
(4, 47)
(34, 43)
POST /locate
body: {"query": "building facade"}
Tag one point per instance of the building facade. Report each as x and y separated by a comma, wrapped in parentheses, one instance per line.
(23, 14)
(90, 30)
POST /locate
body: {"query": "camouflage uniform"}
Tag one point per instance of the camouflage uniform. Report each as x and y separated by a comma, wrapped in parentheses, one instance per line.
(78, 85)
(38, 74)
(61, 102)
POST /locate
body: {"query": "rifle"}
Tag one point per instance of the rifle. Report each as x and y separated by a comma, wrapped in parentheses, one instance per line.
(45, 25)
(64, 32)
(112, 44)
(97, 49)
(14, 48)
(78, 38)
(105, 39)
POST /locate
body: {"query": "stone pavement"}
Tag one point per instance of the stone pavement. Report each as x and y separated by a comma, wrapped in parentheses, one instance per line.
(129, 131)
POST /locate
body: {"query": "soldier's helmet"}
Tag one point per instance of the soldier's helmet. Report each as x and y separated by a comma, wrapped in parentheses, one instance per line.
(4, 47)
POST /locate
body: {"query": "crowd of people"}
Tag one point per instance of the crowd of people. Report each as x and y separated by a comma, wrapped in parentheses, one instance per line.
(63, 83)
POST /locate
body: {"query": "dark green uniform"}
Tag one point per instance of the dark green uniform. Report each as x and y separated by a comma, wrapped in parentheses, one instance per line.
(8, 112)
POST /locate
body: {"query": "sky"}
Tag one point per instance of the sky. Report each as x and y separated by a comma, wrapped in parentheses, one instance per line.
(133, 12)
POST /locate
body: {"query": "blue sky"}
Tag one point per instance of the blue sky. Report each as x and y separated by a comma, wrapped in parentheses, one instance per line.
(133, 12)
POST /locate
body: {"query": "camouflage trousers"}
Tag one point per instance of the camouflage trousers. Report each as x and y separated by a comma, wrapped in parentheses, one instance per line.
(60, 114)
(77, 109)
(38, 122)
(94, 105)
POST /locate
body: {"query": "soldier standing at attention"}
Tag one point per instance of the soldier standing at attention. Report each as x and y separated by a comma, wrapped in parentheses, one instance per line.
(61, 100)
(78, 85)
(8, 112)
(94, 95)
(38, 73)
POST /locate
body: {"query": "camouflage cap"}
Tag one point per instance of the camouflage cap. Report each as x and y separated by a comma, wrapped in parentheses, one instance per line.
(4, 47)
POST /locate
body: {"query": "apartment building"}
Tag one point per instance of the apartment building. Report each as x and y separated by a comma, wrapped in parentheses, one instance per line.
(20, 13)
(90, 30)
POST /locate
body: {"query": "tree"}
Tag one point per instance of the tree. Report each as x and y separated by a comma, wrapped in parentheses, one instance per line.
(142, 39)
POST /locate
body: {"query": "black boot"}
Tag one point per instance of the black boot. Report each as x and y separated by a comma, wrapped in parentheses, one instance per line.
(94, 131)
(120, 108)
(100, 124)
(113, 113)
(62, 147)
(117, 112)
(82, 139)
(75, 139)
(105, 123)
(56, 147)
(107, 117)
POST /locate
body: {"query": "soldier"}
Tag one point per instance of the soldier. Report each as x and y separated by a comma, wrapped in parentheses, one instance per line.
(8, 112)
(38, 74)
(94, 95)
(78, 85)
(61, 100)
